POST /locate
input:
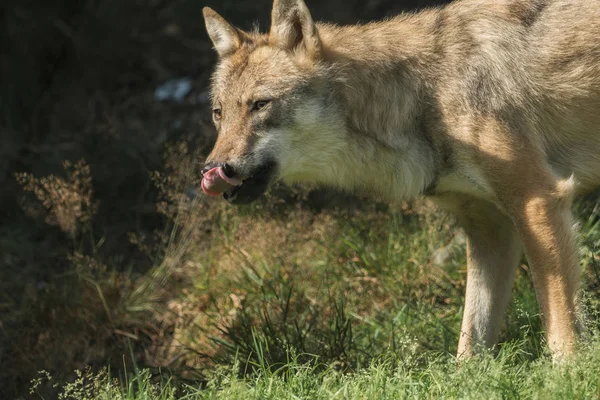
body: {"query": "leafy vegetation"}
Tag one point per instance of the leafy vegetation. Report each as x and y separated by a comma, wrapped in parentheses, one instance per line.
(290, 303)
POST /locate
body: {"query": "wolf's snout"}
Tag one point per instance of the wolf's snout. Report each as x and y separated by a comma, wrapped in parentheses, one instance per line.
(218, 179)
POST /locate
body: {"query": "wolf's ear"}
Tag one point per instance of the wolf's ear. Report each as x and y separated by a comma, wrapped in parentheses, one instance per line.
(292, 26)
(225, 37)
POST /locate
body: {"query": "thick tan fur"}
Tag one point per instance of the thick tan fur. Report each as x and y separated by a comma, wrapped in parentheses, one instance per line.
(491, 108)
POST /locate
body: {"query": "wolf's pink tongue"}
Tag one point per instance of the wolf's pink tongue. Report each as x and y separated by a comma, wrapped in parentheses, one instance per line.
(216, 182)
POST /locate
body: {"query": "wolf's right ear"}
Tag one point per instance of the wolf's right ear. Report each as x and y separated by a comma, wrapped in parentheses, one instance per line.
(292, 27)
(225, 37)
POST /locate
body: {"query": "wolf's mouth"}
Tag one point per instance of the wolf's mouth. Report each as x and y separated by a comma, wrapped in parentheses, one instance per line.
(221, 180)
(253, 187)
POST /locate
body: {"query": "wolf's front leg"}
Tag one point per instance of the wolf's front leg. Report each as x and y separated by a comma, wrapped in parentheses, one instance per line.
(493, 254)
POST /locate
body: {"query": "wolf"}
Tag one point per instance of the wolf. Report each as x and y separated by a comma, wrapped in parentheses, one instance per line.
(490, 109)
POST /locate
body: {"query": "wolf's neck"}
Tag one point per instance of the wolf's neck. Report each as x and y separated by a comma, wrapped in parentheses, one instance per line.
(355, 162)
(370, 166)
(381, 70)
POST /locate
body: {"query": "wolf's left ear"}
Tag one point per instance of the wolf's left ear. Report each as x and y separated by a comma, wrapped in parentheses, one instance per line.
(226, 38)
(292, 26)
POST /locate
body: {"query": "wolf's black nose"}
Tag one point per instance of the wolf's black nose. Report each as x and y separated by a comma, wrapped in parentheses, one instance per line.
(208, 167)
(228, 170)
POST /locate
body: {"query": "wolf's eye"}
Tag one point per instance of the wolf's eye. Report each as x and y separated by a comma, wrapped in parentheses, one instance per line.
(217, 114)
(260, 104)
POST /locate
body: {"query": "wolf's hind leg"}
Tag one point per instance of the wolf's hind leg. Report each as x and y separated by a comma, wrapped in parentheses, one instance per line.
(545, 225)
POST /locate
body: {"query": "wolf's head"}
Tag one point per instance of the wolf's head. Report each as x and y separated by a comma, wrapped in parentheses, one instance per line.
(271, 104)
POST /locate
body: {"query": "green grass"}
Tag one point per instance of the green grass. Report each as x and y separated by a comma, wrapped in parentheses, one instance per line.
(437, 375)
(289, 304)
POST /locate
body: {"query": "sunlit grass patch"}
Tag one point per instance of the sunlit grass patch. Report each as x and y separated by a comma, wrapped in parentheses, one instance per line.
(387, 377)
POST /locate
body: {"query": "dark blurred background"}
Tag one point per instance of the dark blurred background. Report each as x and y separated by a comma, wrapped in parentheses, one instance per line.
(78, 81)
